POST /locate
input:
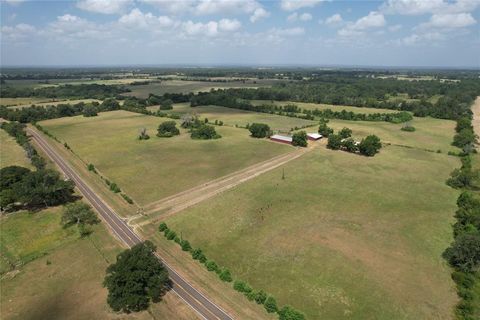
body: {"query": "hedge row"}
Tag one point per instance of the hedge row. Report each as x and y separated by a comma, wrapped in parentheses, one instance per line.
(260, 296)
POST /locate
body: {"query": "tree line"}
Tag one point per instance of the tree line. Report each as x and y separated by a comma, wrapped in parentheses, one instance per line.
(79, 91)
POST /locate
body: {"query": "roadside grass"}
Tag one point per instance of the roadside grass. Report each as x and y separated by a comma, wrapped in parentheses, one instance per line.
(431, 134)
(323, 106)
(343, 236)
(54, 103)
(26, 236)
(66, 283)
(180, 86)
(150, 170)
(235, 117)
(11, 153)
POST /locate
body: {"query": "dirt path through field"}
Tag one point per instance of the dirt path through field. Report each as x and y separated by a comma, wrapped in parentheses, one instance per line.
(476, 116)
(180, 201)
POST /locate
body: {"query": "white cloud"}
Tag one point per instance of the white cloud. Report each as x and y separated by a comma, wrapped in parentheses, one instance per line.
(288, 31)
(104, 6)
(416, 39)
(299, 17)
(229, 25)
(176, 7)
(373, 20)
(210, 29)
(334, 20)
(292, 5)
(453, 20)
(205, 7)
(19, 32)
(419, 7)
(259, 14)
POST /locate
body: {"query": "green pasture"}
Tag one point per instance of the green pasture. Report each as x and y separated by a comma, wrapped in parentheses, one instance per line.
(341, 237)
(323, 106)
(11, 153)
(240, 118)
(150, 170)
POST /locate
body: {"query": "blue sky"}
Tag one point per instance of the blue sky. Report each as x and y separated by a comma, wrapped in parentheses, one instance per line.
(443, 33)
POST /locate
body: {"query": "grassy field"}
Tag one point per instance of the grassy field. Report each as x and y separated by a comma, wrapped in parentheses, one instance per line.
(236, 117)
(65, 279)
(23, 101)
(150, 170)
(179, 86)
(350, 237)
(54, 103)
(11, 153)
(322, 106)
(431, 134)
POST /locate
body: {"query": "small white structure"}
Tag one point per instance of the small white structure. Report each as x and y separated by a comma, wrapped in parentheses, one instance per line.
(280, 138)
(314, 136)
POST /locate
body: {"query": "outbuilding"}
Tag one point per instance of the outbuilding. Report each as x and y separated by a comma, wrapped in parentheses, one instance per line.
(282, 139)
(314, 136)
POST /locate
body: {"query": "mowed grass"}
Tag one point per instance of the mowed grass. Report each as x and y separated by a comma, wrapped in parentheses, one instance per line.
(150, 170)
(237, 117)
(65, 281)
(11, 154)
(322, 106)
(342, 237)
(431, 134)
(180, 86)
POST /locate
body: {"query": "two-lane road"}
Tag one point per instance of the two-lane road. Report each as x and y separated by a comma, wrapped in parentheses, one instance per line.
(201, 304)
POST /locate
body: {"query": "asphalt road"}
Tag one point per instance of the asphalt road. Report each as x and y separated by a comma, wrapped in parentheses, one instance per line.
(201, 304)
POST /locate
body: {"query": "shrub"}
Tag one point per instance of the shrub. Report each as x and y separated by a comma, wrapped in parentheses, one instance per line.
(204, 132)
(225, 275)
(289, 313)
(345, 133)
(299, 139)
(185, 245)
(166, 105)
(162, 227)
(91, 167)
(211, 265)
(334, 142)
(324, 130)
(127, 198)
(260, 297)
(370, 145)
(408, 128)
(114, 187)
(168, 129)
(240, 285)
(463, 279)
(350, 145)
(270, 305)
(250, 295)
(170, 234)
(464, 252)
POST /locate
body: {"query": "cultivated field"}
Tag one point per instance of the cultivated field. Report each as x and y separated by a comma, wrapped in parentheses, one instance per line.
(322, 106)
(150, 170)
(236, 117)
(343, 236)
(11, 153)
(180, 86)
(64, 275)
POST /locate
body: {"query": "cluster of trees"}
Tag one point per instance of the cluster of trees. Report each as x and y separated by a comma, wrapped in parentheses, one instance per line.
(259, 130)
(464, 253)
(466, 177)
(260, 296)
(465, 137)
(17, 131)
(369, 146)
(22, 188)
(136, 279)
(81, 215)
(168, 129)
(204, 132)
(80, 91)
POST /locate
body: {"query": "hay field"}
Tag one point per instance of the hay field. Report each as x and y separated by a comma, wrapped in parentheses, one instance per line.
(150, 170)
(342, 237)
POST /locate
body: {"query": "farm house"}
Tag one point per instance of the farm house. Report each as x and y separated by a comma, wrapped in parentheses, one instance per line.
(314, 136)
(282, 139)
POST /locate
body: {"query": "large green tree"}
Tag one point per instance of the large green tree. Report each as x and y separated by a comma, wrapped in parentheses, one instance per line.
(299, 139)
(80, 214)
(136, 279)
(259, 130)
(204, 132)
(370, 145)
